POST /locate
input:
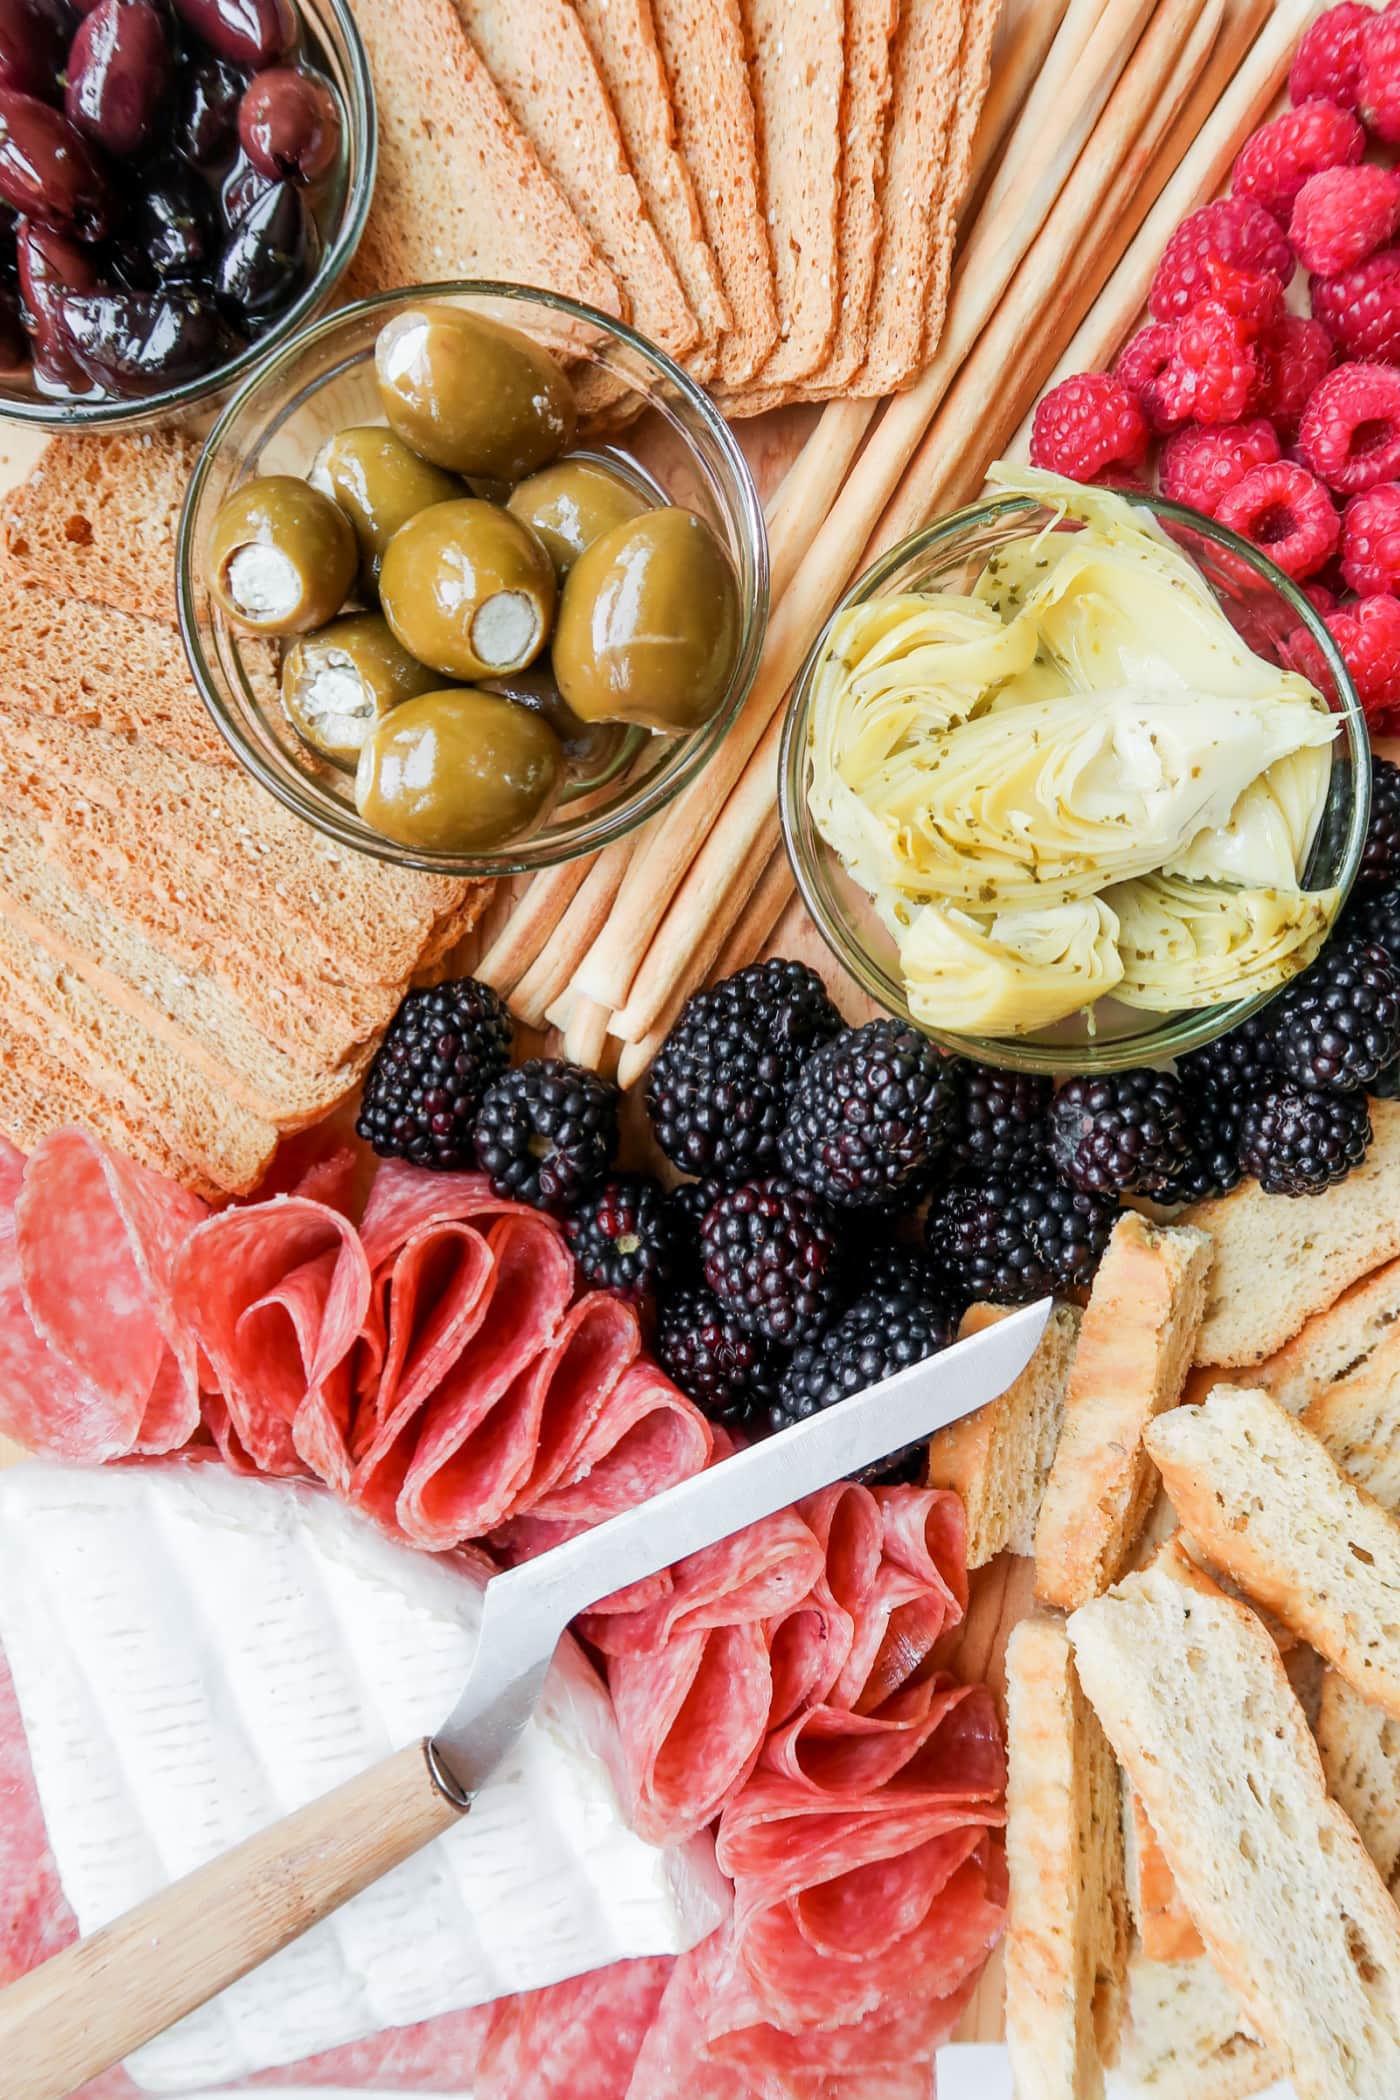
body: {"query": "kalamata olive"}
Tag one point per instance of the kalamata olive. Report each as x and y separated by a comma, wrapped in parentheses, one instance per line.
(250, 32)
(172, 224)
(33, 45)
(47, 169)
(289, 124)
(240, 190)
(50, 266)
(137, 343)
(14, 343)
(273, 254)
(205, 130)
(118, 72)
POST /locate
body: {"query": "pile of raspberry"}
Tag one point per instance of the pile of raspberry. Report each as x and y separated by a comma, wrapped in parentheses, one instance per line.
(1268, 377)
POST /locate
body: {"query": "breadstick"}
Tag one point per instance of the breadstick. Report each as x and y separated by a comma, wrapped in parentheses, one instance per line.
(1018, 59)
(586, 1033)
(809, 488)
(1226, 123)
(553, 969)
(700, 898)
(530, 924)
(994, 248)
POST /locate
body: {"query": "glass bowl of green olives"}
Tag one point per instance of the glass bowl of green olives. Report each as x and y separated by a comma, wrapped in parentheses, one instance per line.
(183, 184)
(512, 564)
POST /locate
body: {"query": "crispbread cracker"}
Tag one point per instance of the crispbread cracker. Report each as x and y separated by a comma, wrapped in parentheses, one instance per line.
(1193, 1697)
(702, 45)
(1277, 1263)
(108, 670)
(460, 190)
(925, 65)
(97, 520)
(974, 73)
(797, 73)
(39, 1094)
(1067, 1925)
(540, 60)
(622, 37)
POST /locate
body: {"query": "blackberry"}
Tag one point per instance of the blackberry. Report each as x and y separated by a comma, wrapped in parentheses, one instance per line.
(444, 1047)
(623, 1236)
(772, 1257)
(1119, 1134)
(546, 1132)
(1376, 919)
(719, 1087)
(687, 1205)
(885, 1331)
(1380, 857)
(1338, 1024)
(1001, 1116)
(981, 1234)
(1229, 1065)
(1072, 1228)
(1213, 1165)
(730, 1374)
(1386, 1085)
(870, 1113)
(1298, 1140)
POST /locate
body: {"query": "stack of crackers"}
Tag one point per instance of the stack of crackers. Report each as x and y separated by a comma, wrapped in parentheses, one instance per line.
(185, 967)
(1203, 1827)
(766, 191)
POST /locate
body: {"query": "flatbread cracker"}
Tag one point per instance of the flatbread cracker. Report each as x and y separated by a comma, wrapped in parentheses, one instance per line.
(539, 58)
(622, 37)
(974, 74)
(797, 73)
(702, 44)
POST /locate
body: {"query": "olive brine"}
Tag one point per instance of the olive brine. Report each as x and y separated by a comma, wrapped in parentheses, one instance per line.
(521, 608)
(168, 172)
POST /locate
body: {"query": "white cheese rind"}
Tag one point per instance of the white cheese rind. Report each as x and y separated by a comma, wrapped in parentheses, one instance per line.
(195, 1655)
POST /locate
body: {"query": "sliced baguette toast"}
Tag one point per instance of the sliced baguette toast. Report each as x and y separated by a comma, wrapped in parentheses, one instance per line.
(1358, 1419)
(1360, 1749)
(1327, 1347)
(1185, 2037)
(1164, 1925)
(1067, 1925)
(1276, 1264)
(998, 1459)
(97, 520)
(1135, 1346)
(1193, 1697)
(1265, 1501)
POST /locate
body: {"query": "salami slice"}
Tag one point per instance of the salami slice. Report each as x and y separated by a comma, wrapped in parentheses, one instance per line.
(276, 1294)
(577, 2040)
(646, 1436)
(88, 1248)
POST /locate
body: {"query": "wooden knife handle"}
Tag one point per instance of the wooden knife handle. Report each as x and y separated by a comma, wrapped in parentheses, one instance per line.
(93, 2004)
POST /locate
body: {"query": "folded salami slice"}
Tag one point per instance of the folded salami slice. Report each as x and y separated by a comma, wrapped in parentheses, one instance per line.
(576, 2040)
(93, 1363)
(276, 1295)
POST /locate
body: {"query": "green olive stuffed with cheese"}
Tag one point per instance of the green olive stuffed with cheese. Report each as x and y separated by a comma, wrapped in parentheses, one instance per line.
(380, 485)
(281, 557)
(458, 771)
(572, 504)
(469, 589)
(471, 395)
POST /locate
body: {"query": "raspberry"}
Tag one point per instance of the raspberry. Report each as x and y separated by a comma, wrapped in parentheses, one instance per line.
(1285, 510)
(1214, 371)
(1378, 100)
(1200, 466)
(1371, 541)
(1350, 432)
(1273, 165)
(1295, 354)
(1342, 216)
(1362, 307)
(1236, 230)
(1086, 424)
(1327, 63)
(1253, 296)
(1368, 635)
(1141, 365)
(1319, 597)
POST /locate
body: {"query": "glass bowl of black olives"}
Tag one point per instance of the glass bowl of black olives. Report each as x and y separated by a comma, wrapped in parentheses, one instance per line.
(182, 185)
(511, 561)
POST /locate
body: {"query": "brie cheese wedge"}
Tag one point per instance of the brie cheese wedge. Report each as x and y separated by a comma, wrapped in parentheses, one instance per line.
(196, 1655)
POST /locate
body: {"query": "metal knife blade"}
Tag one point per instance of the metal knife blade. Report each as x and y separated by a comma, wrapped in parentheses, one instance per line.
(525, 1610)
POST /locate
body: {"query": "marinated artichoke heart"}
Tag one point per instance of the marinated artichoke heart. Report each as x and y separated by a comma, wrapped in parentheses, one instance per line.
(1078, 781)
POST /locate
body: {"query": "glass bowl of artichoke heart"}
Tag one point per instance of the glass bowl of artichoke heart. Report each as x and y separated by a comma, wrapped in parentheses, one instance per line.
(1074, 779)
(472, 578)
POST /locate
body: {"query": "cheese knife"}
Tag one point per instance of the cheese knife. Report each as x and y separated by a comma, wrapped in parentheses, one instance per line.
(93, 2004)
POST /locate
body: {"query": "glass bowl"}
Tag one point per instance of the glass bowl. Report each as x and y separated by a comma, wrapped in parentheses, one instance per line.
(343, 56)
(638, 411)
(949, 555)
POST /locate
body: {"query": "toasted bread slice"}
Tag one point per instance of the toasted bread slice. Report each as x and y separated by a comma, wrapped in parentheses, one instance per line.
(39, 1094)
(1135, 1347)
(702, 46)
(539, 58)
(974, 76)
(1358, 1419)
(1360, 1749)
(1278, 1263)
(1067, 1923)
(1327, 1347)
(998, 1459)
(1164, 1925)
(1268, 1504)
(97, 520)
(1193, 1697)
(1185, 2037)
(460, 190)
